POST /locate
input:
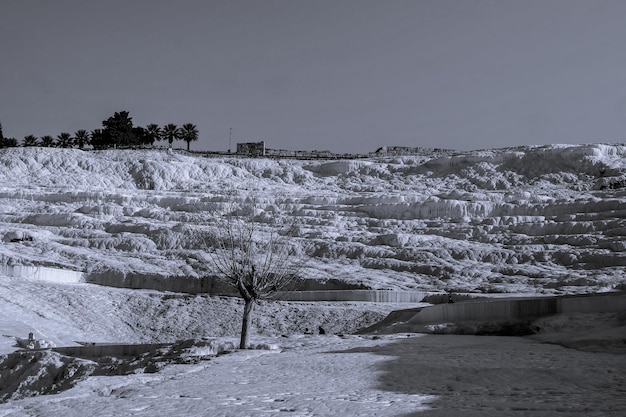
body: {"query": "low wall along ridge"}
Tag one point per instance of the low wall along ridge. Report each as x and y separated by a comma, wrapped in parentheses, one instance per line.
(42, 273)
(516, 309)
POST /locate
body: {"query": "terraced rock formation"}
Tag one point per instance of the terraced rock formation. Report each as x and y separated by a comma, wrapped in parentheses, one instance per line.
(544, 219)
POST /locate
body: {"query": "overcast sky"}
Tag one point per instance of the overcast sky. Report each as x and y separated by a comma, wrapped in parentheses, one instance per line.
(339, 75)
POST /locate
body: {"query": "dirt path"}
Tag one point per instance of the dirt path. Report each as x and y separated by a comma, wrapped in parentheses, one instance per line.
(504, 376)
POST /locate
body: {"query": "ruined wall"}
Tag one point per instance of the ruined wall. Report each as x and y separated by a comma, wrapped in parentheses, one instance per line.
(374, 296)
(251, 148)
(516, 309)
(42, 273)
(183, 284)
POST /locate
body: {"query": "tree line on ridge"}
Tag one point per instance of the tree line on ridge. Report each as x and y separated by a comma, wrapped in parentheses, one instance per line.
(117, 131)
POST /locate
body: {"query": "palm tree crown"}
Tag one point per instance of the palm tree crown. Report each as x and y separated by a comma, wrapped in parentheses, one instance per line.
(154, 133)
(81, 137)
(64, 140)
(30, 140)
(171, 132)
(189, 133)
(47, 141)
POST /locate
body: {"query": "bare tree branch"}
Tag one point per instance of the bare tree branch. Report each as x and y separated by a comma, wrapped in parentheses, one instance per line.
(256, 257)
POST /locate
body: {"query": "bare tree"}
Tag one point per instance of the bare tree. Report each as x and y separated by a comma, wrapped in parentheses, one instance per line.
(257, 256)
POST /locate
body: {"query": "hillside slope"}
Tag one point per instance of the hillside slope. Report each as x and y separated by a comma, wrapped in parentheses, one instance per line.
(548, 219)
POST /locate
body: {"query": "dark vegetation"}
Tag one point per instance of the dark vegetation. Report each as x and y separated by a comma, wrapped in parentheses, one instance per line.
(117, 131)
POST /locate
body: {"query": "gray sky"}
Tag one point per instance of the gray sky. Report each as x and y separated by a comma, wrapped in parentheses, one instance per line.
(339, 75)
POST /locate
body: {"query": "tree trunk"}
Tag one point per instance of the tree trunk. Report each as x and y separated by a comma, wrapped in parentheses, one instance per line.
(246, 322)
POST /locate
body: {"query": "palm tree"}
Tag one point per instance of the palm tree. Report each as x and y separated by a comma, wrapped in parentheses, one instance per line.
(154, 133)
(64, 140)
(30, 140)
(47, 141)
(81, 138)
(171, 132)
(189, 133)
